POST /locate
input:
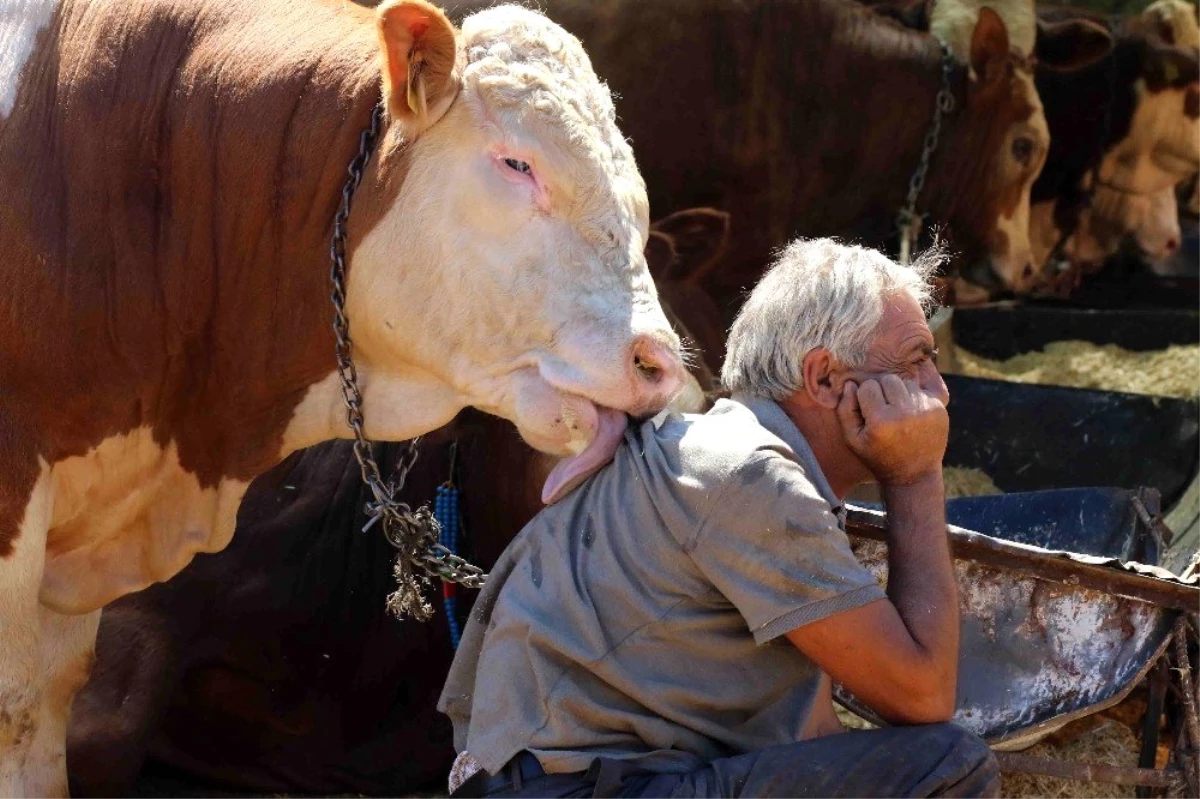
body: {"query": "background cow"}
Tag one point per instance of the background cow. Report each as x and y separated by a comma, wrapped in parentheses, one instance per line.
(808, 119)
(171, 169)
(1124, 133)
(273, 665)
(1123, 129)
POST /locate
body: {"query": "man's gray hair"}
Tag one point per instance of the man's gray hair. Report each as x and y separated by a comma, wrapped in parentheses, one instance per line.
(818, 293)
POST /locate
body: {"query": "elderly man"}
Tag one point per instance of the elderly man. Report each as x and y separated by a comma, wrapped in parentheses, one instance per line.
(673, 627)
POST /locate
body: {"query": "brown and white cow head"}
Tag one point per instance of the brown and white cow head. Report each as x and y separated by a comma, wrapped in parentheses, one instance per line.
(521, 201)
(1162, 147)
(1152, 221)
(1009, 121)
(1163, 144)
(1151, 88)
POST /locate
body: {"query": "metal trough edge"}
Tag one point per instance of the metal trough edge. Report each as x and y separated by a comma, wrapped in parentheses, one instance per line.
(1110, 575)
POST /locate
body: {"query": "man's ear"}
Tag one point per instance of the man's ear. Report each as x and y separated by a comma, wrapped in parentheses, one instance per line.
(419, 51)
(817, 371)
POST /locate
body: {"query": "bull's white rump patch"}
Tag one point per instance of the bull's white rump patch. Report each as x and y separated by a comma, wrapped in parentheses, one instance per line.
(20, 23)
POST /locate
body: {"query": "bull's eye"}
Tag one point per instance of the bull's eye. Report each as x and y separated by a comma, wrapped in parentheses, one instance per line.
(1022, 149)
(518, 166)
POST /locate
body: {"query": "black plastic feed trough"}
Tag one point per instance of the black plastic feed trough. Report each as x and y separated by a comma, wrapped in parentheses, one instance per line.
(1029, 437)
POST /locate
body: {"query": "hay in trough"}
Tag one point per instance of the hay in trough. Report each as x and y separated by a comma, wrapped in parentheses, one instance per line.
(1107, 742)
(962, 482)
(851, 720)
(1173, 372)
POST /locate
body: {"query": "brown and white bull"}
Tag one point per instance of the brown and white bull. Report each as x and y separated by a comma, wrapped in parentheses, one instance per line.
(273, 666)
(169, 172)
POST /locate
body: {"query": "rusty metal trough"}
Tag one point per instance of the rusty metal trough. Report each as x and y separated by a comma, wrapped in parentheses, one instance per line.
(1063, 609)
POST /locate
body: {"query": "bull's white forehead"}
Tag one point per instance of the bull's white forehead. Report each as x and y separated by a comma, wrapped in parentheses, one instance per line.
(524, 66)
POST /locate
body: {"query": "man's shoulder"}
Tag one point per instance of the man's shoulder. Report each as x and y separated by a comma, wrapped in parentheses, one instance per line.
(710, 447)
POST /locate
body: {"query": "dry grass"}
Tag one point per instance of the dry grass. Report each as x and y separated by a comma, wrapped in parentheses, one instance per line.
(961, 482)
(1089, 740)
(1173, 372)
(850, 720)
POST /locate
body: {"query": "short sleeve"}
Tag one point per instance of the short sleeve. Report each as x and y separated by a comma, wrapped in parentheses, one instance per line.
(772, 546)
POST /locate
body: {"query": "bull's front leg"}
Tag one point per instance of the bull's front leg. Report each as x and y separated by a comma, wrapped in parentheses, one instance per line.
(44, 660)
(68, 644)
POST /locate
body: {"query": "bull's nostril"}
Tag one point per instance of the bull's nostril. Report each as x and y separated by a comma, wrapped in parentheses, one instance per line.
(647, 370)
(1027, 272)
(1172, 246)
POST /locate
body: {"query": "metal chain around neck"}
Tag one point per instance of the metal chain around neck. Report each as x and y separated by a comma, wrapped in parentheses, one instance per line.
(908, 221)
(413, 533)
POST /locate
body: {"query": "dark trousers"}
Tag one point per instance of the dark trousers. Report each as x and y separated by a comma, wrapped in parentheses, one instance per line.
(931, 760)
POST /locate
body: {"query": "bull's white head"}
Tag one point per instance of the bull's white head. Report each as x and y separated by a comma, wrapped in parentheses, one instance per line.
(523, 216)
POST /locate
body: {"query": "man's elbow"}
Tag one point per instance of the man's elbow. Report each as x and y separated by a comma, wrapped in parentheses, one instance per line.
(931, 704)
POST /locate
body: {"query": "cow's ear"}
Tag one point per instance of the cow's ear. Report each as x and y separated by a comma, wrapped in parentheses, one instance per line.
(419, 49)
(700, 236)
(1165, 67)
(989, 44)
(660, 255)
(1071, 44)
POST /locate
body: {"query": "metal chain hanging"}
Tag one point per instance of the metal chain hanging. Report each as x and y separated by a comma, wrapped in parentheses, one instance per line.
(908, 221)
(413, 533)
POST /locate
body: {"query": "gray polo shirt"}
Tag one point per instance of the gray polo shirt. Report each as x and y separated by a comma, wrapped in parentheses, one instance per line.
(640, 617)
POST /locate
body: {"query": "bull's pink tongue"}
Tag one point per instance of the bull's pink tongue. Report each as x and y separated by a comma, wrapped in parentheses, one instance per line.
(570, 472)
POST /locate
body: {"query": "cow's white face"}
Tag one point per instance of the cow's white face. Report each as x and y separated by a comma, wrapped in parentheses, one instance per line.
(1163, 145)
(1153, 221)
(523, 213)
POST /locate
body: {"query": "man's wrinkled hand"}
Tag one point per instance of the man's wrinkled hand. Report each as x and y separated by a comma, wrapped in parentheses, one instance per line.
(895, 428)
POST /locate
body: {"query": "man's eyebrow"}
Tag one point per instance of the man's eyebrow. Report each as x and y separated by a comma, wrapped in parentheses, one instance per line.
(920, 345)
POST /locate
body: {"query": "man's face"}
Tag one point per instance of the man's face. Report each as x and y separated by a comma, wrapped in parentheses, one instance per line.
(902, 346)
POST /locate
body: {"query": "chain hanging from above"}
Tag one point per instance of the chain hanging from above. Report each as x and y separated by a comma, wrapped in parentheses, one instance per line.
(908, 221)
(413, 533)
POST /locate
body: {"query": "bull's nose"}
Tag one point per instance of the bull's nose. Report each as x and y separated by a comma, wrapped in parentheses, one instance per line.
(657, 371)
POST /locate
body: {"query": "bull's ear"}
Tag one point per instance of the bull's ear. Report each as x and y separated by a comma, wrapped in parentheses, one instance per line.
(419, 49)
(660, 255)
(1071, 44)
(989, 44)
(699, 236)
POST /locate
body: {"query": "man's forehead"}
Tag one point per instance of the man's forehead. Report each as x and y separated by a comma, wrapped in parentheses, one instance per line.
(903, 325)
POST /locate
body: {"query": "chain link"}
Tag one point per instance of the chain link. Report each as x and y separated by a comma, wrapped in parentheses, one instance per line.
(908, 221)
(413, 533)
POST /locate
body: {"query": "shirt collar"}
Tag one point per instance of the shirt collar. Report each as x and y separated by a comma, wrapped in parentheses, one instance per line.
(776, 420)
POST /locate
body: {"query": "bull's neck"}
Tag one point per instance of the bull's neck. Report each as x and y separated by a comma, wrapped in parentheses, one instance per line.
(175, 276)
(280, 141)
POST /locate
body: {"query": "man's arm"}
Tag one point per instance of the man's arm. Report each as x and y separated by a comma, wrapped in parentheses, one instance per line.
(900, 655)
